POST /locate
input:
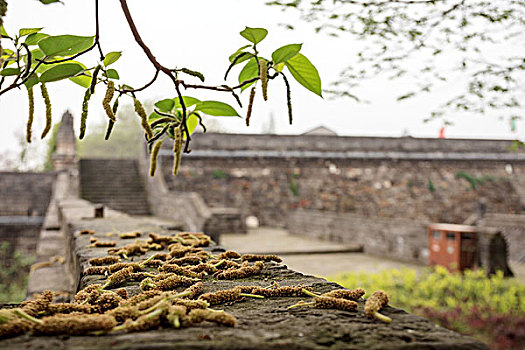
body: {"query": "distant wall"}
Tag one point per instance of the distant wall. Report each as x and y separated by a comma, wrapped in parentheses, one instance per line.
(270, 188)
(25, 194)
(513, 228)
(21, 233)
(401, 239)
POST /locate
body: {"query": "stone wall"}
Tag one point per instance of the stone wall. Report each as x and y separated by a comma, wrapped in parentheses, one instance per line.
(401, 239)
(429, 190)
(513, 228)
(21, 233)
(187, 207)
(25, 194)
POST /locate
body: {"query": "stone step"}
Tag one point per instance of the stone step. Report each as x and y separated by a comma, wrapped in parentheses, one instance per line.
(115, 183)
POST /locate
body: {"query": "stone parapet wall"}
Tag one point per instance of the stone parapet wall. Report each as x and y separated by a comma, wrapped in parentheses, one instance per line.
(324, 143)
(436, 191)
(401, 239)
(261, 323)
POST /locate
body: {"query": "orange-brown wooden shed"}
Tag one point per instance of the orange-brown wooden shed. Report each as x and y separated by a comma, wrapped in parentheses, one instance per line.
(453, 246)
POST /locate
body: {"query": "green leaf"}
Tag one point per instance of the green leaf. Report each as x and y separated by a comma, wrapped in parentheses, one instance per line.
(279, 67)
(46, 2)
(216, 108)
(27, 31)
(65, 45)
(249, 71)
(305, 73)
(33, 39)
(165, 105)
(254, 35)
(233, 55)
(111, 58)
(112, 74)
(32, 81)
(193, 73)
(191, 123)
(82, 80)
(3, 33)
(153, 116)
(286, 52)
(60, 71)
(188, 101)
(7, 72)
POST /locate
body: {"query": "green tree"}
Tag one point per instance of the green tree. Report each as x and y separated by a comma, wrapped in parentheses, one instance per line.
(429, 44)
(31, 58)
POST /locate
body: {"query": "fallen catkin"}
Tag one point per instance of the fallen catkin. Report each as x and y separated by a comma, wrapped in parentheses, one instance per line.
(14, 328)
(118, 278)
(258, 257)
(229, 254)
(175, 281)
(83, 116)
(250, 106)
(106, 260)
(334, 303)
(31, 116)
(40, 304)
(374, 303)
(221, 296)
(110, 91)
(74, 325)
(278, 292)
(177, 149)
(242, 272)
(194, 290)
(47, 102)
(153, 158)
(354, 294)
(139, 109)
(219, 317)
(263, 73)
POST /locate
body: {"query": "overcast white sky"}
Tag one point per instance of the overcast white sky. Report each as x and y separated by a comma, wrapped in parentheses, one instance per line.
(201, 34)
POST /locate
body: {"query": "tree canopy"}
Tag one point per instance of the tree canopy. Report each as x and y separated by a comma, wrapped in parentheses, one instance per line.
(31, 58)
(431, 43)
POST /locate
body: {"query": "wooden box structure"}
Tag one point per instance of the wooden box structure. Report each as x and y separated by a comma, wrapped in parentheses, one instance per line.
(453, 246)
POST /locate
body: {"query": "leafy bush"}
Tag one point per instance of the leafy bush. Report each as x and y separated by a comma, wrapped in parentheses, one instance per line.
(491, 309)
(14, 268)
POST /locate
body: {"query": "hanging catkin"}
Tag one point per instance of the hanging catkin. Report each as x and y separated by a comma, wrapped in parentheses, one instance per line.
(3, 9)
(153, 157)
(250, 106)
(288, 99)
(107, 100)
(94, 80)
(29, 126)
(177, 148)
(263, 73)
(143, 118)
(47, 102)
(83, 116)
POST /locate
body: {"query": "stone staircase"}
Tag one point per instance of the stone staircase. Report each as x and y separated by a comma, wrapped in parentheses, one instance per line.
(116, 183)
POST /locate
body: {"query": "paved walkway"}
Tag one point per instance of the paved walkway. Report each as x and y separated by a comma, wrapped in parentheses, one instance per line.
(319, 258)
